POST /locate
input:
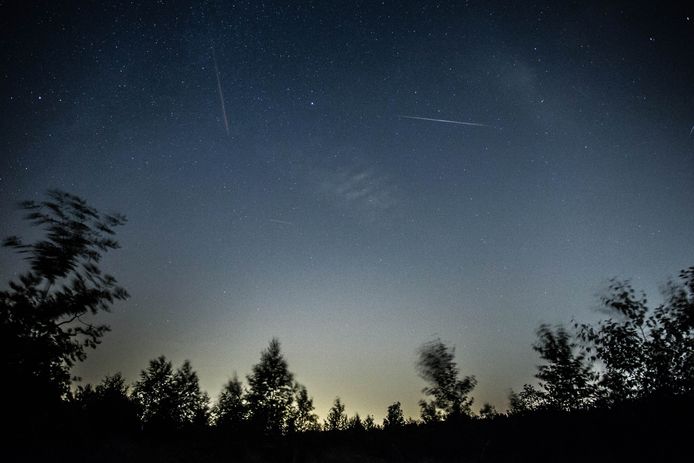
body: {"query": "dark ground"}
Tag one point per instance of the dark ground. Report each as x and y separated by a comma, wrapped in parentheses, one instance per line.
(653, 432)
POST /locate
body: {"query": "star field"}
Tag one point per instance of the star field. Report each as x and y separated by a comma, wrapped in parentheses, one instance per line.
(323, 216)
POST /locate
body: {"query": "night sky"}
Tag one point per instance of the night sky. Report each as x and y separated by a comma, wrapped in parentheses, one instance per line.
(319, 205)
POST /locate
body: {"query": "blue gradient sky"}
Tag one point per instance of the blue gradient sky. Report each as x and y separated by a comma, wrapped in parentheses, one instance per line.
(327, 219)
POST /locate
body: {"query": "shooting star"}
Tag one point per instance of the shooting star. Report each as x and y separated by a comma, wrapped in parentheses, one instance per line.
(219, 89)
(691, 131)
(446, 121)
(283, 222)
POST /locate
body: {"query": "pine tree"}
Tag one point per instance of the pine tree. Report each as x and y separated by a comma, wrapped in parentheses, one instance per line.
(303, 418)
(337, 418)
(270, 392)
(170, 400)
(230, 411)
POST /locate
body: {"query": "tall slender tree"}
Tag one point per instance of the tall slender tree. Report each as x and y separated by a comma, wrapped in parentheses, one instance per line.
(192, 402)
(230, 411)
(337, 418)
(270, 391)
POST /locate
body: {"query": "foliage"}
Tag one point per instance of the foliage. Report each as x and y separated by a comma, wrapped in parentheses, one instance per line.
(271, 392)
(44, 329)
(567, 381)
(192, 402)
(488, 411)
(527, 400)
(428, 412)
(355, 424)
(337, 418)
(394, 417)
(566, 376)
(303, 418)
(155, 394)
(108, 405)
(170, 400)
(230, 411)
(450, 394)
(370, 423)
(645, 352)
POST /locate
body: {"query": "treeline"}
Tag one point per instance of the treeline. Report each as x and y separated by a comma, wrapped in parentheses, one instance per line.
(165, 399)
(638, 356)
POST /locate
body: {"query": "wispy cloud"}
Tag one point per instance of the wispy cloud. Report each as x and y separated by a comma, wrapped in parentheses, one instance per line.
(359, 187)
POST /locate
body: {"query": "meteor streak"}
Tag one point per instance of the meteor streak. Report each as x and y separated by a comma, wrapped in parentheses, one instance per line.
(219, 89)
(475, 124)
(283, 222)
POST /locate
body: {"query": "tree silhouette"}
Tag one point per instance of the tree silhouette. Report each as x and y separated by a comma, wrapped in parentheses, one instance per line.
(370, 423)
(394, 417)
(271, 392)
(450, 394)
(566, 377)
(44, 324)
(230, 411)
(620, 343)
(645, 352)
(108, 405)
(527, 400)
(337, 418)
(170, 400)
(672, 338)
(355, 424)
(428, 412)
(302, 416)
(192, 402)
(155, 394)
(488, 411)
(567, 381)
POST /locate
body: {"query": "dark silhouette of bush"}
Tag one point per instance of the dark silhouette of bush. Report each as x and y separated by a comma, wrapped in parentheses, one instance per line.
(44, 315)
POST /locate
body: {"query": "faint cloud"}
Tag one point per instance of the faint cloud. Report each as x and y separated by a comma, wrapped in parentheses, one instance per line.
(358, 186)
